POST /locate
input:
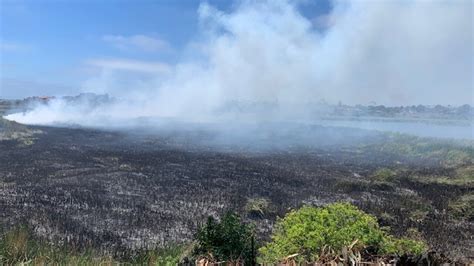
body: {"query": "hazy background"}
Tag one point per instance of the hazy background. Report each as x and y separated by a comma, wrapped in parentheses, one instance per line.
(285, 52)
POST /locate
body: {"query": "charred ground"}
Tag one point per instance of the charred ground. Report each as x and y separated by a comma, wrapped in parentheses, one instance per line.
(119, 191)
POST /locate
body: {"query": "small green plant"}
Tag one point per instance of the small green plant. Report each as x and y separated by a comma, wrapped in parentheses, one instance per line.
(228, 240)
(311, 230)
(257, 207)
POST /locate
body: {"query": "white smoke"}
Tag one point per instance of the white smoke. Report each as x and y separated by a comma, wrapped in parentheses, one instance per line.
(391, 52)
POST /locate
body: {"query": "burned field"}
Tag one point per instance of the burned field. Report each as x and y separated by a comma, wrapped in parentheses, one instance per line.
(119, 191)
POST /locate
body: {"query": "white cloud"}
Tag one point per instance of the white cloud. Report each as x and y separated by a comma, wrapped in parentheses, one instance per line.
(137, 42)
(130, 65)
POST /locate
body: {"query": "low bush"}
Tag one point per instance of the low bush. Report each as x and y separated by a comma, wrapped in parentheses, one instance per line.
(311, 231)
(227, 240)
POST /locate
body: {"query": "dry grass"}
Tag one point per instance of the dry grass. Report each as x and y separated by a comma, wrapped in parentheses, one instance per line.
(18, 247)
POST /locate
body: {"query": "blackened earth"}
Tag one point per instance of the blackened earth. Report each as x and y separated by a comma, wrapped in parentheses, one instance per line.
(120, 191)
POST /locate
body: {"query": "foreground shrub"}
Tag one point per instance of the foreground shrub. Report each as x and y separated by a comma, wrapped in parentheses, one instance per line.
(227, 240)
(311, 231)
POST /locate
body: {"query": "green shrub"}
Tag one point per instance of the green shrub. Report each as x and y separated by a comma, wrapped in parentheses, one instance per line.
(227, 240)
(393, 245)
(309, 230)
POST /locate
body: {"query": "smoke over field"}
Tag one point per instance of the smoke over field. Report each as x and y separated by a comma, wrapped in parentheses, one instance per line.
(390, 52)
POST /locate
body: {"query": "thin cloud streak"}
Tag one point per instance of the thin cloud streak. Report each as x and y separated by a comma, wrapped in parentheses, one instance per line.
(137, 42)
(130, 65)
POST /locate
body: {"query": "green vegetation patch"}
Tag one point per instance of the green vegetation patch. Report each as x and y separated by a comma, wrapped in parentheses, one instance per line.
(463, 207)
(312, 231)
(384, 174)
(461, 178)
(10, 130)
(461, 175)
(308, 234)
(450, 153)
(465, 173)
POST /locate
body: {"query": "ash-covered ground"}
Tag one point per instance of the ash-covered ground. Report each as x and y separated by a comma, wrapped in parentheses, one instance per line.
(122, 190)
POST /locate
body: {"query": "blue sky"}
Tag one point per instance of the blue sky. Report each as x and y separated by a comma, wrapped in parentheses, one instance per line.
(46, 44)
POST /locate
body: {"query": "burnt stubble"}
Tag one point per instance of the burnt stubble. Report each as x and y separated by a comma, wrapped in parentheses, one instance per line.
(119, 190)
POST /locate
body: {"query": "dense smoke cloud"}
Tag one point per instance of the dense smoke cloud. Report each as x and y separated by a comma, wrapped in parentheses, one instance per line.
(390, 52)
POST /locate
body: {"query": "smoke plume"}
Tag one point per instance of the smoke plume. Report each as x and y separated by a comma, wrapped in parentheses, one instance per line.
(390, 52)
